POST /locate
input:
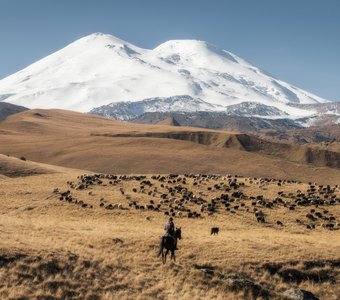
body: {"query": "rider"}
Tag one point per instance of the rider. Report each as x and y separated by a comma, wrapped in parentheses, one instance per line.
(170, 230)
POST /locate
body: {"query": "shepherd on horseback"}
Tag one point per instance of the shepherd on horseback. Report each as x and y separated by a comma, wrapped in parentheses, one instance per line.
(170, 230)
(169, 240)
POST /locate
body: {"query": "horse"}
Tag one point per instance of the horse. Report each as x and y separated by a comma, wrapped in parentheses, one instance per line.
(168, 243)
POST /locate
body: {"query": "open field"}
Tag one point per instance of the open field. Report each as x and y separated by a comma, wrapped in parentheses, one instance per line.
(66, 235)
(59, 249)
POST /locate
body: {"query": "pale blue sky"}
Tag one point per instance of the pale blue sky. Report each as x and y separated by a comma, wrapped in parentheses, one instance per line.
(295, 40)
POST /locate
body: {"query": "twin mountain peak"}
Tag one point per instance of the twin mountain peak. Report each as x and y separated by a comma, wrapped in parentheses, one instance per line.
(102, 72)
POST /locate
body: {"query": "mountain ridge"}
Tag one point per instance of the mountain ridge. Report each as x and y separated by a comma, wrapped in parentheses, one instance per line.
(99, 69)
(7, 109)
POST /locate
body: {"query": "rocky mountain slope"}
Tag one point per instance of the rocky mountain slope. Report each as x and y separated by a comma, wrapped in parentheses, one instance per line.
(7, 109)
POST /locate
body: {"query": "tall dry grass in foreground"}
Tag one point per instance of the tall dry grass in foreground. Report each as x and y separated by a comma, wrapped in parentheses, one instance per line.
(51, 249)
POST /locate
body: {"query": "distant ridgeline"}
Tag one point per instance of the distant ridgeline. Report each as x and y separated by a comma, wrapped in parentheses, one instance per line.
(7, 109)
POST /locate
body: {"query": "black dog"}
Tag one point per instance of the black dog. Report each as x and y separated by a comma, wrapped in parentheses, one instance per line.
(214, 230)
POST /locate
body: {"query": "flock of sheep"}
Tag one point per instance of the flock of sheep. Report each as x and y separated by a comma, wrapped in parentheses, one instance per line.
(199, 196)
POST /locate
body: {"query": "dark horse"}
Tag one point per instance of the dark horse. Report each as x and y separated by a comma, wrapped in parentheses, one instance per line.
(168, 243)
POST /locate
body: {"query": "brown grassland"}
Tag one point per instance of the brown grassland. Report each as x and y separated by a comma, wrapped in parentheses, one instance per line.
(53, 249)
(93, 143)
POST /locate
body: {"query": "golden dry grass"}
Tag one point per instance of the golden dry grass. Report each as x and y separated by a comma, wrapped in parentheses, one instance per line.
(51, 249)
(77, 140)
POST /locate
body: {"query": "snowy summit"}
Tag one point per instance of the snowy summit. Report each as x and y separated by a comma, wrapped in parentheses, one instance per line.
(100, 69)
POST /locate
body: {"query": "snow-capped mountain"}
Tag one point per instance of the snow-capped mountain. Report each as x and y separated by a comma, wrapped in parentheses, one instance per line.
(100, 69)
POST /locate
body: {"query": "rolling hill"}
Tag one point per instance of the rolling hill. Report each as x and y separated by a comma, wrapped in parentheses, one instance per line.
(93, 143)
(7, 109)
(68, 233)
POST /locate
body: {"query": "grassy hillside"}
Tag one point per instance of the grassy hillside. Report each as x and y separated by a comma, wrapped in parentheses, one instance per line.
(56, 249)
(88, 142)
(66, 235)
